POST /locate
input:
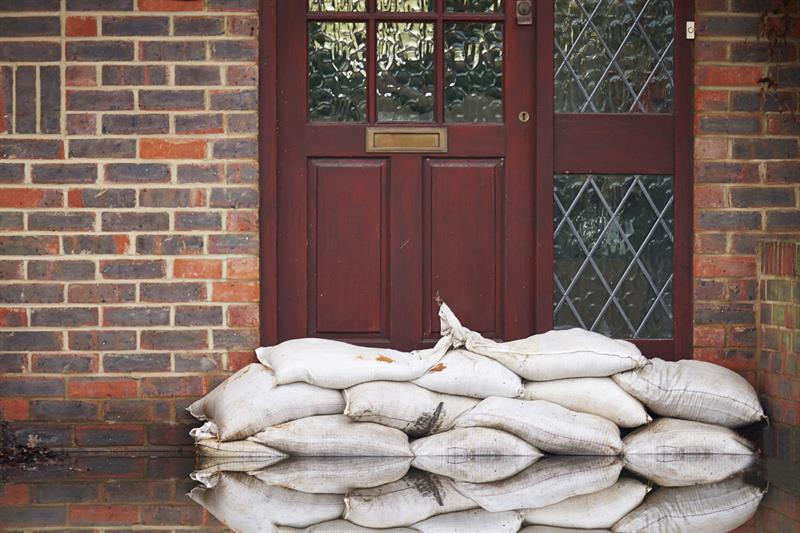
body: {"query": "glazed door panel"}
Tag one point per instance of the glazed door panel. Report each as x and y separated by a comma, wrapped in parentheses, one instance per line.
(370, 239)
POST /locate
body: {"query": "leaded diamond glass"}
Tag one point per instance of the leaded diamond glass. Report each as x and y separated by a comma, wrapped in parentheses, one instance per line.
(337, 5)
(613, 254)
(405, 71)
(337, 71)
(399, 6)
(473, 58)
(614, 56)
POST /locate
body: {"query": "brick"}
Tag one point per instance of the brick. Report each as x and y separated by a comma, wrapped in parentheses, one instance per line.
(91, 51)
(102, 388)
(235, 291)
(729, 124)
(710, 51)
(94, 198)
(783, 220)
(241, 75)
(765, 148)
(238, 100)
(30, 387)
(202, 26)
(171, 5)
(13, 317)
(783, 172)
(46, 435)
(11, 269)
(232, 5)
(172, 292)
(25, 100)
(63, 173)
(99, 5)
(155, 100)
(31, 293)
(102, 340)
(243, 25)
(169, 244)
(197, 315)
(50, 99)
(53, 515)
(137, 173)
(173, 149)
(27, 198)
(95, 244)
(197, 268)
(789, 75)
(232, 339)
(202, 221)
(106, 435)
(136, 316)
(238, 360)
(233, 244)
(243, 222)
(119, 221)
(235, 149)
(200, 173)
(64, 317)
(172, 197)
(134, 75)
(11, 221)
(31, 5)
(729, 220)
(197, 75)
(12, 410)
(724, 266)
(139, 362)
(63, 410)
(81, 124)
(724, 313)
(63, 363)
(130, 410)
(172, 51)
(185, 386)
(133, 26)
(235, 198)
(139, 124)
(31, 149)
(61, 221)
(243, 123)
(29, 52)
(197, 362)
(99, 100)
(101, 293)
(30, 27)
(742, 76)
(243, 316)
(783, 125)
(60, 270)
(199, 124)
(720, 25)
(234, 50)
(761, 101)
(714, 172)
(12, 172)
(102, 148)
(133, 269)
(81, 26)
(63, 492)
(762, 197)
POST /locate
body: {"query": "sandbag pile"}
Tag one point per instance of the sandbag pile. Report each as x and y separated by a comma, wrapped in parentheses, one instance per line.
(474, 417)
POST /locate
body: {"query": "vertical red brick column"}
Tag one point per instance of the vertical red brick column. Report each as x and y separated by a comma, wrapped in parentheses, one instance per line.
(747, 171)
(128, 213)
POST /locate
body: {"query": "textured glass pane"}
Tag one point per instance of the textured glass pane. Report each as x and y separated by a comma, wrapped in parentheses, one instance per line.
(473, 62)
(614, 56)
(405, 5)
(613, 254)
(337, 87)
(405, 71)
(474, 6)
(337, 5)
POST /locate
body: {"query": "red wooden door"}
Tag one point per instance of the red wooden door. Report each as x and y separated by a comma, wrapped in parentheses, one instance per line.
(370, 238)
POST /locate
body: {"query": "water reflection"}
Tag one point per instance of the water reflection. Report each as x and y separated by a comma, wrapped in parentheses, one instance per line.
(343, 495)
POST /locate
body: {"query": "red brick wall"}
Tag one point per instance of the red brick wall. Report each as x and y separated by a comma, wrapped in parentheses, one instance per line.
(128, 213)
(747, 171)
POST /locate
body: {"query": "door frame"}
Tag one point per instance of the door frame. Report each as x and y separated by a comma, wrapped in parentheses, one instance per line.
(542, 279)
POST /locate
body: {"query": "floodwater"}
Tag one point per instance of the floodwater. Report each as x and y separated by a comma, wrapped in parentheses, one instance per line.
(91, 493)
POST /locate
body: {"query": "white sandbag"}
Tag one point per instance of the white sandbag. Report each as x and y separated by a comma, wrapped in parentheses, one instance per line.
(235, 456)
(547, 426)
(339, 365)
(419, 495)
(551, 529)
(560, 354)
(334, 475)
(596, 510)
(474, 468)
(335, 436)
(467, 374)
(405, 406)
(473, 521)
(694, 390)
(547, 482)
(670, 436)
(596, 396)
(247, 505)
(250, 401)
(235, 449)
(670, 470)
(341, 526)
(710, 508)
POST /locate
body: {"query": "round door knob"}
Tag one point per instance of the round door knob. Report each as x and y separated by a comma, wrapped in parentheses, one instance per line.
(524, 8)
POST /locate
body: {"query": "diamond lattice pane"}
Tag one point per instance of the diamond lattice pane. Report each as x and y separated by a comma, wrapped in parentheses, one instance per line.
(613, 254)
(614, 56)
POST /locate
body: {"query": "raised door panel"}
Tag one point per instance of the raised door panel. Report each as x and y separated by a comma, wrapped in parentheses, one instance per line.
(348, 247)
(463, 242)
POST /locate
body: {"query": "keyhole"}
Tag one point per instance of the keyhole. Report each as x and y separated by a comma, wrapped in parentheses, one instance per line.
(524, 116)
